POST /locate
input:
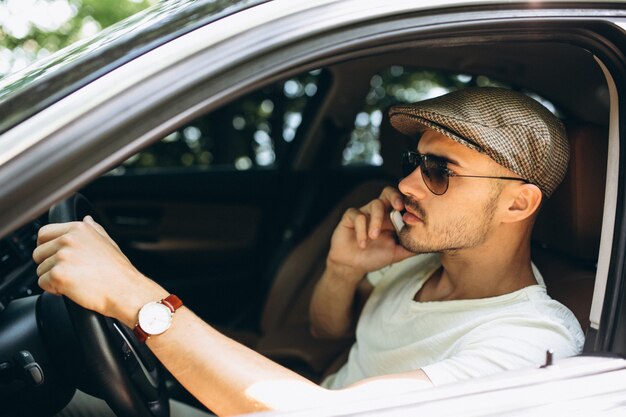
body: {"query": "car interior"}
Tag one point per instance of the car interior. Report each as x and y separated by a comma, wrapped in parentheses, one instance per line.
(239, 229)
(272, 312)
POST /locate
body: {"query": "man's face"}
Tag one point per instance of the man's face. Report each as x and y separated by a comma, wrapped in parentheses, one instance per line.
(463, 217)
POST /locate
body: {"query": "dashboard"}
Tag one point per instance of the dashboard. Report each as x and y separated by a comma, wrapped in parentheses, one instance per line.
(18, 276)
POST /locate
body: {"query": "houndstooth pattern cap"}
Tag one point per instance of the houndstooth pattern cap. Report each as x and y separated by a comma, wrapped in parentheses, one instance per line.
(511, 128)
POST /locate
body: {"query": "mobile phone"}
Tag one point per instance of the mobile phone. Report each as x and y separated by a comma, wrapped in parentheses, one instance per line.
(396, 220)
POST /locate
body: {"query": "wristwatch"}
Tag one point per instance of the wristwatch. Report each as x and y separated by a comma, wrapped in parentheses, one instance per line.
(156, 317)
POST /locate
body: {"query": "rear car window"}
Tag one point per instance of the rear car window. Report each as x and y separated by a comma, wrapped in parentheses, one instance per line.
(253, 132)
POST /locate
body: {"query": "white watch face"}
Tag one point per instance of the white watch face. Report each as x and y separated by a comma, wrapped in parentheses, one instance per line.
(155, 318)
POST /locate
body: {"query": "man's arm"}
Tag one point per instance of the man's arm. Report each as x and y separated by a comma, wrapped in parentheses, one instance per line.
(231, 379)
(80, 261)
(363, 241)
(337, 299)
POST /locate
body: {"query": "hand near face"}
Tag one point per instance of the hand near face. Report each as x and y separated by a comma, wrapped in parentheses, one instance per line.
(365, 239)
(80, 260)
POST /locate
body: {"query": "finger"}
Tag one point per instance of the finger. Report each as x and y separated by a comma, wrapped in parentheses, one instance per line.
(52, 231)
(378, 213)
(46, 250)
(45, 266)
(45, 283)
(360, 228)
(392, 196)
(350, 217)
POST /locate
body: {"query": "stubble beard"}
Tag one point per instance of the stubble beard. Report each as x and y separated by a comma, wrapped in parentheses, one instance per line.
(449, 235)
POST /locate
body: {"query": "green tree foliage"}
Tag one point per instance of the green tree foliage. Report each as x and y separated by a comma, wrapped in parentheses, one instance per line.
(32, 29)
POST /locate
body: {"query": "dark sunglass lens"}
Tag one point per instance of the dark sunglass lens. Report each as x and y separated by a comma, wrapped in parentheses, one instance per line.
(409, 163)
(435, 176)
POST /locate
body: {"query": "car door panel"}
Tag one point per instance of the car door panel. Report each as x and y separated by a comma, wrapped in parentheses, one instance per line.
(204, 236)
(162, 227)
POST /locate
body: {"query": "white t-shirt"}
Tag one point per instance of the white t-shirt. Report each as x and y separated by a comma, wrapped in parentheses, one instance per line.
(457, 339)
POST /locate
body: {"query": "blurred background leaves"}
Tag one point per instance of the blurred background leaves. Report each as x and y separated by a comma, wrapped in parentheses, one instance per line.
(33, 29)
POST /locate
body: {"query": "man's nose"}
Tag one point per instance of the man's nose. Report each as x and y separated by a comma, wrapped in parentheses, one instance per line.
(413, 185)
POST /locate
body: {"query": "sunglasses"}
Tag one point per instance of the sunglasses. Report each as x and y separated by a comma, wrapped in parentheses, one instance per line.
(435, 172)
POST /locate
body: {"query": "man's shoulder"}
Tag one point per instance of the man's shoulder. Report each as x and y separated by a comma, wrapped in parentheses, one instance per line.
(533, 302)
(547, 306)
(538, 314)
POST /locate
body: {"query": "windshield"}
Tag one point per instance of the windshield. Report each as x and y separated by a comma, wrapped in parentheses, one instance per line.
(36, 87)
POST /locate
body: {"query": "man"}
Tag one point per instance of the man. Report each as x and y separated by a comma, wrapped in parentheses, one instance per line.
(485, 160)
(475, 305)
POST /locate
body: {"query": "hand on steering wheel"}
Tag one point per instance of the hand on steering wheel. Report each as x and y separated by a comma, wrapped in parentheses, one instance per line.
(117, 367)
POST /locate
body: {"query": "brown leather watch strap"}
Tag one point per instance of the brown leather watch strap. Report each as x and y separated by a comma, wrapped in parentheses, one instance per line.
(172, 302)
(140, 334)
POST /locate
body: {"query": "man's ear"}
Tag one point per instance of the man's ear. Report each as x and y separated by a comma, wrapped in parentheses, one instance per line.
(525, 201)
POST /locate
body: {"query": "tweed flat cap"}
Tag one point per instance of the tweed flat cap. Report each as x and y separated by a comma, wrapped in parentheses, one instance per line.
(511, 128)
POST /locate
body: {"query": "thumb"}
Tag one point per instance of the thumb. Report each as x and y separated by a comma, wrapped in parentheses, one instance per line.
(91, 222)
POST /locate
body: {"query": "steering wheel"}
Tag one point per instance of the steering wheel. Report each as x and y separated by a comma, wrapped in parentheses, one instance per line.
(118, 368)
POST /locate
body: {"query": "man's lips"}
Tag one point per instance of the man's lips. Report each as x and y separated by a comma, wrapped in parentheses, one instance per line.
(410, 217)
